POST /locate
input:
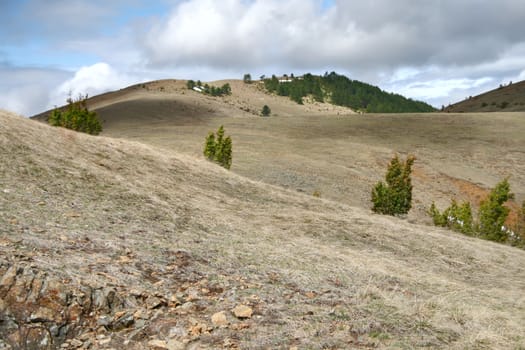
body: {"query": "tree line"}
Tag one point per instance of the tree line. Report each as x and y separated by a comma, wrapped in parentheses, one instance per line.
(342, 91)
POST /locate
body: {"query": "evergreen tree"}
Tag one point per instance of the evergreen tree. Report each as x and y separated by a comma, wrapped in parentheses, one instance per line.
(226, 159)
(492, 213)
(394, 197)
(209, 146)
(76, 116)
(266, 111)
(218, 148)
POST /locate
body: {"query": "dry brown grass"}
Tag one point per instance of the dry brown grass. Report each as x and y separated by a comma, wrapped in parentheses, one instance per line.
(339, 156)
(323, 274)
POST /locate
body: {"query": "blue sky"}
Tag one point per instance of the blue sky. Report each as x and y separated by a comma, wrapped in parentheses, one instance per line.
(436, 51)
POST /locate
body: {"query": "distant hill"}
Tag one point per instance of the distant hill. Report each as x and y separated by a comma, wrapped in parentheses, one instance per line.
(508, 98)
(342, 91)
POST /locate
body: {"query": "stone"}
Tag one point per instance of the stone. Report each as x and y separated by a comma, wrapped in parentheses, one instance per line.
(104, 320)
(43, 314)
(154, 302)
(175, 345)
(157, 344)
(123, 322)
(76, 343)
(219, 319)
(242, 311)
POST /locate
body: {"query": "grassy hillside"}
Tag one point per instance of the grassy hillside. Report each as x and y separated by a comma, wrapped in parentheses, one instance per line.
(342, 91)
(116, 243)
(508, 98)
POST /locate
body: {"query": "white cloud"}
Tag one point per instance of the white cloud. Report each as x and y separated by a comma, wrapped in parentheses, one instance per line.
(92, 80)
(423, 49)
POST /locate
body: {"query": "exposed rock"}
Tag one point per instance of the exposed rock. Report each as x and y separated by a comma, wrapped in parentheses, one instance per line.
(153, 302)
(219, 319)
(242, 311)
(125, 321)
(157, 344)
(76, 343)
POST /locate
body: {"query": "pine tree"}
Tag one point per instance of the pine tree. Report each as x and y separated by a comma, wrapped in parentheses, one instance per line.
(76, 117)
(394, 197)
(226, 160)
(209, 146)
(217, 148)
(492, 213)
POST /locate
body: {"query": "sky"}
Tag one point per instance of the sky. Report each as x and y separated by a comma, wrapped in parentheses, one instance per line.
(437, 51)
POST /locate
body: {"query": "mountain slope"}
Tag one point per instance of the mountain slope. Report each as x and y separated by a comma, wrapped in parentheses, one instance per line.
(115, 243)
(508, 98)
(245, 100)
(342, 91)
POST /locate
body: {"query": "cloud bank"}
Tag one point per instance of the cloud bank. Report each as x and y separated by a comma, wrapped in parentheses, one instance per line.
(438, 51)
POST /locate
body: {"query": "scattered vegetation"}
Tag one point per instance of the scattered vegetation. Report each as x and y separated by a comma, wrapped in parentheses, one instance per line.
(209, 90)
(394, 197)
(342, 91)
(218, 148)
(456, 217)
(492, 217)
(76, 116)
(266, 111)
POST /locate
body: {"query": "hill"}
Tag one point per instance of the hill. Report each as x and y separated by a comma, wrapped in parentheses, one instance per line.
(111, 243)
(322, 148)
(508, 98)
(173, 96)
(342, 91)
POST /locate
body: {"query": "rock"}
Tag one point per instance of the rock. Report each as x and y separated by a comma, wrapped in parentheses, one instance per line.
(43, 314)
(219, 319)
(175, 345)
(242, 311)
(104, 320)
(141, 314)
(154, 302)
(104, 341)
(157, 344)
(124, 321)
(76, 343)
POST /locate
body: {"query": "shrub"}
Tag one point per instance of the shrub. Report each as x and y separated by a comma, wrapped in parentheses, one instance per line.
(517, 238)
(394, 197)
(266, 111)
(217, 148)
(76, 116)
(190, 84)
(492, 213)
(456, 217)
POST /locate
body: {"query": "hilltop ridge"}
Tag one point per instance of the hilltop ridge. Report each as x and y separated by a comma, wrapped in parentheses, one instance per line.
(106, 242)
(505, 98)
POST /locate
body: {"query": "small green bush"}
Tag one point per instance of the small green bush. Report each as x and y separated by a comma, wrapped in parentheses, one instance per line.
(266, 111)
(456, 217)
(76, 116)
(218, 148)
(395, 196)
